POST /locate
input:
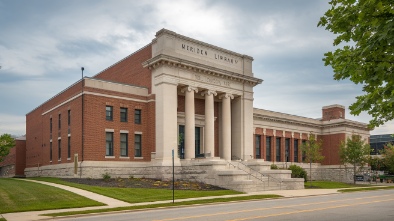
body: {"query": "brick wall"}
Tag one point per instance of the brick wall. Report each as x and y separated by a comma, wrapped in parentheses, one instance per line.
(331, 148)
(130, 70)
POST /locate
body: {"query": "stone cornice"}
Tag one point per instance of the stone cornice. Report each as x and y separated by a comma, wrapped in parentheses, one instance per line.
(201, 68)
(172, 33)
(312, 123)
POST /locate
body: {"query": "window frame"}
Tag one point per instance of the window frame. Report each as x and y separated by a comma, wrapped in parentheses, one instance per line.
(258, 146)
(123, 115)
(109, 113)
(137, 116)
(126, 143)
(109, 144)
(137, 145)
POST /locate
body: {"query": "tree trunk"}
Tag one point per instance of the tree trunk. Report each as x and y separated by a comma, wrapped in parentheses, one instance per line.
(354, 174)
(310, 173)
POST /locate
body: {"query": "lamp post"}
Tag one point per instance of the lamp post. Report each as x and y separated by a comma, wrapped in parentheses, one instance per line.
(80, 173)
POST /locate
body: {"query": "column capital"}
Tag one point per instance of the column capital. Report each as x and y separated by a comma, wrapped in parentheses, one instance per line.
(264, 131)
(189, 88)
(226, 95)
(208, 92)
(292, 134)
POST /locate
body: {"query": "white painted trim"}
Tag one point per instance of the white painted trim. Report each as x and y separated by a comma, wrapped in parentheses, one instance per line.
(109, 130)
(137, 132)
(97, 94)
(118, 97)
(124, 131)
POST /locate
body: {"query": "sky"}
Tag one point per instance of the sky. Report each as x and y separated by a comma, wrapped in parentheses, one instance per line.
(44, 44)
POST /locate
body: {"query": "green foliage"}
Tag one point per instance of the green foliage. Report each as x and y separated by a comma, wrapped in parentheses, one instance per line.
(274, 167)
(377, 164)
(388, 157)
(312, 149)
(6, 143)
(354, 151)
(365, 28)
(106, 176)
(298, 172)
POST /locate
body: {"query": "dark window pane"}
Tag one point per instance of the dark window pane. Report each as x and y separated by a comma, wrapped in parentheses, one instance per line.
(258, 144)
(278, 149)
(137, 145)
(123, 114)
(123, 145)
(108, 113)
(268, 149)
(109, 151)
(137, 116)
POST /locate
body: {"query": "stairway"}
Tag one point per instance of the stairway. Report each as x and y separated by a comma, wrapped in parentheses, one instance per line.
(244, 176)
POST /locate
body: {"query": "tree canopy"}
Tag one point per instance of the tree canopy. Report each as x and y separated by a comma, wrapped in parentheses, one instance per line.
(6, 143)
(365, 39)
(354, 151)
(388, 157)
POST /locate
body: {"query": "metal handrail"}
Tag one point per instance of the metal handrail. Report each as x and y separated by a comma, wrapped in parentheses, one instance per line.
(258, 172)
(229, 162)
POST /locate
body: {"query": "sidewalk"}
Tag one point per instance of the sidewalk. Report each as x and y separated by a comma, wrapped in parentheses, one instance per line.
(112, 203)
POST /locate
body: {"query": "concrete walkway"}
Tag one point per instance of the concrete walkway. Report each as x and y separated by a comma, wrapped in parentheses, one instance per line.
(112, 203)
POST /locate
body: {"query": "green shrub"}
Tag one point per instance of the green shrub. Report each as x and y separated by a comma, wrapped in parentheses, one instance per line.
(274, 167)
(106, 176)
(298, 172)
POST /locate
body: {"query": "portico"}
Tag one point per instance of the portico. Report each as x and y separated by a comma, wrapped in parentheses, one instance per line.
(204, 86)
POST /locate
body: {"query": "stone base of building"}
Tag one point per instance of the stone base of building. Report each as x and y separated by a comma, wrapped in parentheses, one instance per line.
(243, 176)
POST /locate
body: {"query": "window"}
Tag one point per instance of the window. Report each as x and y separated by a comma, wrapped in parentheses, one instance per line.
(60, 121)
(287, 149)
(295, 150)
(278, 149)
(268, 149)
(69, 147)
(109, 147)
(69, 117)
(59, 144)
(50, 125)
(123, 145)
(258, 143)
(303, 152)
(137, 116)
(123, 114)
(108, 113)
(137, 145)
(50, 151)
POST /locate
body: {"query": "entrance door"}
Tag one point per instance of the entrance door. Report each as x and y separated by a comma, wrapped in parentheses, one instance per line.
(181, 137)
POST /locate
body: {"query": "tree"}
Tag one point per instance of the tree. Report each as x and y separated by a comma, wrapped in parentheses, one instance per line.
(388, 157)
(6, 143)
(312, 150)
(354, 151)
(365, 28)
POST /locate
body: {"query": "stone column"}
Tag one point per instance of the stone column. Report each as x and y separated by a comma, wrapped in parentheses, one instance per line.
(190, 137)
(226, 126)
(209, 132)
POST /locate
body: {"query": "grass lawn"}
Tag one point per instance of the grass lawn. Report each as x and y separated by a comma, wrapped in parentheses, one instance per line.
(18, 195)
(331, 185)
(137, 195)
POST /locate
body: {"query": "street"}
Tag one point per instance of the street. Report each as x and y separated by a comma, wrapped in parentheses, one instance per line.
(371, 205)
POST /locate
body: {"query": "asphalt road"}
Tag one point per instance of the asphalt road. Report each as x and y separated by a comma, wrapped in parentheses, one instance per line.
(371, 205)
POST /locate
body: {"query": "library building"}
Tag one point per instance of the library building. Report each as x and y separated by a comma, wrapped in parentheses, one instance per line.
(175, 103)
